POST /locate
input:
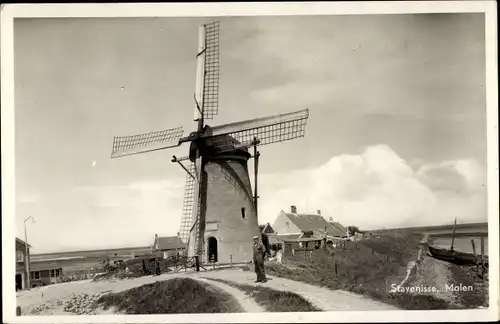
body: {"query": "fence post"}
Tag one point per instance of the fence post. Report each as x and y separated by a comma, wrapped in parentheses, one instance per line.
(482, 250)
(231, 260)
(336, 271)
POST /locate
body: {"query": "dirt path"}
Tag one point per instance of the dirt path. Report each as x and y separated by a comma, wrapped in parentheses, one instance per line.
(248, 304)
(322, 298)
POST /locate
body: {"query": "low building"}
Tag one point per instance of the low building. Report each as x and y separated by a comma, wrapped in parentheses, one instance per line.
(293, 223)
(40, 274)
(167, 246)
(306, 231)
(21, 260)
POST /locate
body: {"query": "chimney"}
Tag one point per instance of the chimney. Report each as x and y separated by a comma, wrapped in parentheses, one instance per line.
(319, 212)
(330, 219)
(293, 209)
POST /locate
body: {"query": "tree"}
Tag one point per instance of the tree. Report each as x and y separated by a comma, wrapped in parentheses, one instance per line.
(352, 230)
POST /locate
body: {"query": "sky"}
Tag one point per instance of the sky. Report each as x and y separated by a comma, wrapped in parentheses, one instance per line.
(396, 134)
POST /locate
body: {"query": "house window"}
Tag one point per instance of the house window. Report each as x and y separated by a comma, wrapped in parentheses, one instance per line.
(19, 256)
(287, 224)
(55, 273)
(35, 275)
(243, 212)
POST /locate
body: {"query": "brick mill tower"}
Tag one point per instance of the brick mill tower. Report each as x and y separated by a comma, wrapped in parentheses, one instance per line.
(220, 214)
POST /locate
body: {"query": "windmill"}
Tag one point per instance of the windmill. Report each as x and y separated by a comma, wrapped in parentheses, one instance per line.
(219, 216)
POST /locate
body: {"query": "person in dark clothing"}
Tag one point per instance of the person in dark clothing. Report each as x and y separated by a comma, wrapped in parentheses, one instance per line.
(258, 259)
(158, 267)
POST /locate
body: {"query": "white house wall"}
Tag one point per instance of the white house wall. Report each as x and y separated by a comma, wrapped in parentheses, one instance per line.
(280, 225)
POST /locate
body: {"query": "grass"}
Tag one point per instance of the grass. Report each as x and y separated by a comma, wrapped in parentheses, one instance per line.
(274, 300)
(178, 295)
(467, 276)
(361, 268)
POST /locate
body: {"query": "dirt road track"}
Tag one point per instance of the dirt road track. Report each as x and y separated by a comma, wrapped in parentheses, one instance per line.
(322, 298)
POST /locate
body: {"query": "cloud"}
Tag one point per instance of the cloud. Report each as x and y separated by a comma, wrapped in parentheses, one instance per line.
(345, 62)
(459, 176)
(93, 217)
(373, 189)
(379, 189)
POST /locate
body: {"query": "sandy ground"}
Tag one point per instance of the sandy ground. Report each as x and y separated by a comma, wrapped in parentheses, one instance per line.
(55, 295)
(323, 298)
(434, 273)
(248, 304)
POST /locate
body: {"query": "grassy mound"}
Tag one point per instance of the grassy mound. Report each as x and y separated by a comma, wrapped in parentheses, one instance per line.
(274, 300)
(178, 295)
(362, 268)
(467, 276)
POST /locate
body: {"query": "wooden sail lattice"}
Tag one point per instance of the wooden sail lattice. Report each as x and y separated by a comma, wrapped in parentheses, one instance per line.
(140, 143)
(279, 132)
(188, 203)
(212, 68)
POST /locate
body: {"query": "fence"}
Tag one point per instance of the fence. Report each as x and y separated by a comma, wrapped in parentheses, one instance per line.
(294, 252)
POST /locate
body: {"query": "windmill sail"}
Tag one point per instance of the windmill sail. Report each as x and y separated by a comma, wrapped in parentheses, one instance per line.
(146, 142)
(207, 80)
(187, 208)
(267, 130)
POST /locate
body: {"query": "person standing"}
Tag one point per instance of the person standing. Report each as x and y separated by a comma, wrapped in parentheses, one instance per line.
(158, 272)
(258, 259)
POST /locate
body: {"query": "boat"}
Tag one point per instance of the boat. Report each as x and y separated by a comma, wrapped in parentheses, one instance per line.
(460, 258)
(456, 257)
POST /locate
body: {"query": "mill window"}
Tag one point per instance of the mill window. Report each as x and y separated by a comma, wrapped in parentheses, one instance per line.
(243, 213)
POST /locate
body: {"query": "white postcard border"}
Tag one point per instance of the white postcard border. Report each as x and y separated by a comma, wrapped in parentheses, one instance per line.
(9, 12)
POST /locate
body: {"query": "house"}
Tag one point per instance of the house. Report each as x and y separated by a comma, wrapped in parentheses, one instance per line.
(338, 226)
(43, 274)
(21, 260)
(270, 237)
(293, 223)
(50, 268)
(168, 246)
(40, 275)
(266, 229)
(305, 231)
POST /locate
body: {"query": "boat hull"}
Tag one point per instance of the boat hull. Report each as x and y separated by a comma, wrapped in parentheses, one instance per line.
(455, 257)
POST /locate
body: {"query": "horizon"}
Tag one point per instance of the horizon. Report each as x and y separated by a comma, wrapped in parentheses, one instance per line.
(397, 125)
(144, 247)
